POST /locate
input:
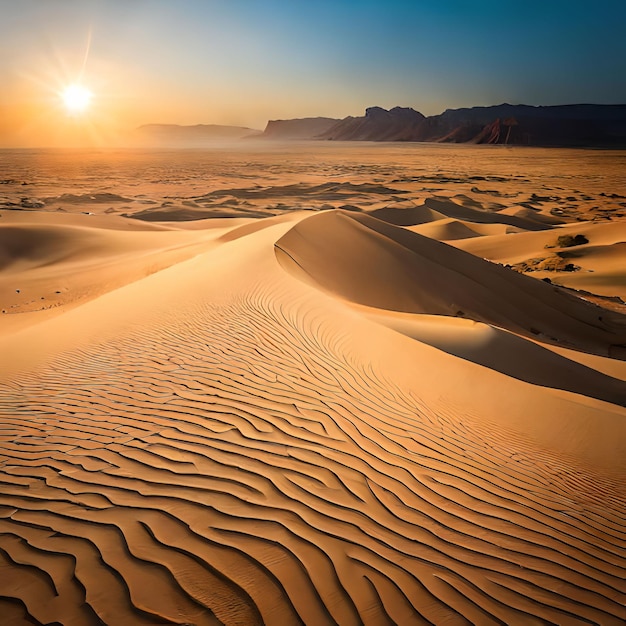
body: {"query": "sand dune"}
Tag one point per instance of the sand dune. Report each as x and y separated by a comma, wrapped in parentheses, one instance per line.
(285, 421)
(492, 348)
(408, 215)
(598, 264)
(471, 214)
(52, 260)
(448, 229)
(370, 262)
(526, 244)
(245, 481)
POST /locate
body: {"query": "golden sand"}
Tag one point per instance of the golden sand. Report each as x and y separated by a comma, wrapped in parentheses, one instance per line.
(309, 384)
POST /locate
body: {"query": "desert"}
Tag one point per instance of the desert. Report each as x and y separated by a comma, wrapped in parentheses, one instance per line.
(312, 313)
(313, 382)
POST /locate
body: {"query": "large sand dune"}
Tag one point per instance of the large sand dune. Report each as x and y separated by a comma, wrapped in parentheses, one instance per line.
(373, 263)
(316, 417)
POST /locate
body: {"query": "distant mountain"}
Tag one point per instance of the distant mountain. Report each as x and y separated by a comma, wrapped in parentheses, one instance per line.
(398, 124)
(189, 136)
(575, 125)
(304, 128)
(570, 125)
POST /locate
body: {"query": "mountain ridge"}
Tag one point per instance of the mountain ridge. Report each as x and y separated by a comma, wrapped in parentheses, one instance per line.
(561, 125)
(570, 125)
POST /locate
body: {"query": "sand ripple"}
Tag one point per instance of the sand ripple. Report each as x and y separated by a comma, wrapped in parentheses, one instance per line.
(241, 463)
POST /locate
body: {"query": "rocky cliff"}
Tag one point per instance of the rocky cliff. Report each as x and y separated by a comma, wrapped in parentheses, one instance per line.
(304, 128)
(571, 125)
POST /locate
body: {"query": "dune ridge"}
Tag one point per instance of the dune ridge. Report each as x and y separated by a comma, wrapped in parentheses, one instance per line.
(370, 262)
(436, 208)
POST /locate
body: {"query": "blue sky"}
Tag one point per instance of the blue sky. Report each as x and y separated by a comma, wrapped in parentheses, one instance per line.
(245, 61)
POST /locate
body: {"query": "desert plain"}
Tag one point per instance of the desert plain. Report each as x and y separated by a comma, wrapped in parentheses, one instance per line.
(313, 383)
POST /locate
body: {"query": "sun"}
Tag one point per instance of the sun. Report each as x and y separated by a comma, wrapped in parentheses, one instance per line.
(76, 98)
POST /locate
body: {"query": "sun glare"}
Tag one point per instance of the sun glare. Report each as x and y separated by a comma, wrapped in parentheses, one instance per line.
(76, 98)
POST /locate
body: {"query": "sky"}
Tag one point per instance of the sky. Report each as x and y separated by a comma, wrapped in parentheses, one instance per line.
(243, 62)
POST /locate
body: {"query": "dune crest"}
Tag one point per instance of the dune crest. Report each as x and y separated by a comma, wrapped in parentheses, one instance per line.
(371, 262)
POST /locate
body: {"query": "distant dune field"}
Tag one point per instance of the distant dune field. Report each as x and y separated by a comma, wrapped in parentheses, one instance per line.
(313, 384)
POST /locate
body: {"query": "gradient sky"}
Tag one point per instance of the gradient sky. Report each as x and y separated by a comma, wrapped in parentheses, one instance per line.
(246, 61)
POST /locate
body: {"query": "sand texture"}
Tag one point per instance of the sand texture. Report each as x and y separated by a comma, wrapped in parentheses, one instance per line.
(316, 384)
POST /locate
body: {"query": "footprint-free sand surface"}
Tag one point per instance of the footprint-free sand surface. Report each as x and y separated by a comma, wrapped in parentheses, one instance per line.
(313, 384)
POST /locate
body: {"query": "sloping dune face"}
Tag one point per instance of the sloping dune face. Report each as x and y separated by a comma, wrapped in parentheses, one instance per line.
(374, 263)
(225, 451)
(48, 261)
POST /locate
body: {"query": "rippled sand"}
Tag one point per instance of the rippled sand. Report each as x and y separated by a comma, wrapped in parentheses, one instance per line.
(313, 383)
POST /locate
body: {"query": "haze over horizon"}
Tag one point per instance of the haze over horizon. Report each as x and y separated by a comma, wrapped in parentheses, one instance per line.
(243, 62)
